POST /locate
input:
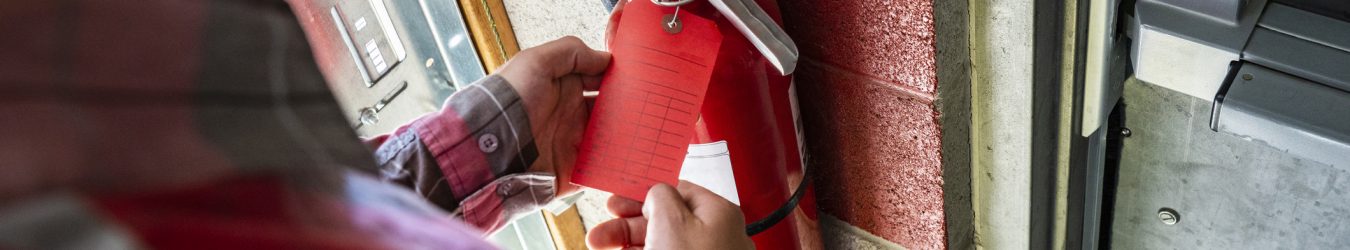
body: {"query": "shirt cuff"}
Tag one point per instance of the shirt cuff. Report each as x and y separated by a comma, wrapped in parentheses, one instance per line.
(482, 133)
(501, 200)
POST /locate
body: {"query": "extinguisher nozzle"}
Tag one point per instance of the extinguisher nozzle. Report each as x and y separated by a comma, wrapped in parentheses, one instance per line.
(762, 31)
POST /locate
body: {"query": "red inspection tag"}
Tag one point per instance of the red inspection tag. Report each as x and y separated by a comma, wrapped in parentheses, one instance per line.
(643, 118)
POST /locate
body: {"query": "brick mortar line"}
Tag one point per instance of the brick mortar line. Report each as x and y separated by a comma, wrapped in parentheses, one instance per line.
(930, 98)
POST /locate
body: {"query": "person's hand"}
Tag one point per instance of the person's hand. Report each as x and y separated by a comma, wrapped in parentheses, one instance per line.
(690, 217)
(550, 79)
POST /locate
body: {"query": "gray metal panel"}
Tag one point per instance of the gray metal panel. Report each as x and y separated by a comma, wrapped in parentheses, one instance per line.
(1091, 196)
(1306, 25)
(422, 36)
(1338, 9)
(1287, 112)
(1299, 57)
(1203, 21)
(452, 38)
(426, 86)
(1223, 10)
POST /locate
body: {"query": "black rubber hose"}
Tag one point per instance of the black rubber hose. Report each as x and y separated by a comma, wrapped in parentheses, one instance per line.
(783, 211)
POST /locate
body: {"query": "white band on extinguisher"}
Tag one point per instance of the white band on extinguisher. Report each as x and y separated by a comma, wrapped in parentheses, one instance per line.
(709, 165)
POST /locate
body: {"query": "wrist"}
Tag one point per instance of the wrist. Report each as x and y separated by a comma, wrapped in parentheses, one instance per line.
(533, 99)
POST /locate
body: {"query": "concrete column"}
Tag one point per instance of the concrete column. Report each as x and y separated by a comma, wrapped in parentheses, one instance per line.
(1001, 58)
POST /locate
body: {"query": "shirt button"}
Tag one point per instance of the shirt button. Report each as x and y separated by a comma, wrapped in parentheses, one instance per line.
(488, 143)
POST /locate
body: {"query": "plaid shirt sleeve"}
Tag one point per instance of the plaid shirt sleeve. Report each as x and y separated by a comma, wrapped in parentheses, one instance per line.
(155, 124)
(470, 158)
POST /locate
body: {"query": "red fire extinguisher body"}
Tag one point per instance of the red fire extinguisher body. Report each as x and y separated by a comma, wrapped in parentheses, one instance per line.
(749, 105)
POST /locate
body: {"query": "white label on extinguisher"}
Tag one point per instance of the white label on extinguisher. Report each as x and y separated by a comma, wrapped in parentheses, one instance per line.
(709, 165)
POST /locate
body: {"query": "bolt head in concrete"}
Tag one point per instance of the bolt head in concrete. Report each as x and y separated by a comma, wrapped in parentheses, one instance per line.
(1169, 216)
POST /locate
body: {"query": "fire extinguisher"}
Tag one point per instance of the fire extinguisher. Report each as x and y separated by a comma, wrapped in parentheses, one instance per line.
(750, 105)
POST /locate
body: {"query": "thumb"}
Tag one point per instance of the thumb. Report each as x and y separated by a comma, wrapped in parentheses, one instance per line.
(666, 214)
(618, 233)
(664, 202)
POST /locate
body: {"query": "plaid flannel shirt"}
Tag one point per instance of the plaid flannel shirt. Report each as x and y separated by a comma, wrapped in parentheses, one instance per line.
(206, 124)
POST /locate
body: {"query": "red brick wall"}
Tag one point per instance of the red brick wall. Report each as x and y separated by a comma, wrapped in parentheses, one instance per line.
(868, 88)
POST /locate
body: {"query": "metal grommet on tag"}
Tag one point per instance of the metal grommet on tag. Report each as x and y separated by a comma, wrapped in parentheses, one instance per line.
(671, 23)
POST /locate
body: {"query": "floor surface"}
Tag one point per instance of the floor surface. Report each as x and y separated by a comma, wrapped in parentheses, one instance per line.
(1230, 193)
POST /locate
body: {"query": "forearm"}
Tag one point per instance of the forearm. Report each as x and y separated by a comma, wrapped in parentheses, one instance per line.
(469, 157)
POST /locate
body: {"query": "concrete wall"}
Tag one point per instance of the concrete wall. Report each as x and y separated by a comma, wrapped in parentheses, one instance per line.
(1001, 58)
(883, 87)
(954, 105)
(536, 22)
